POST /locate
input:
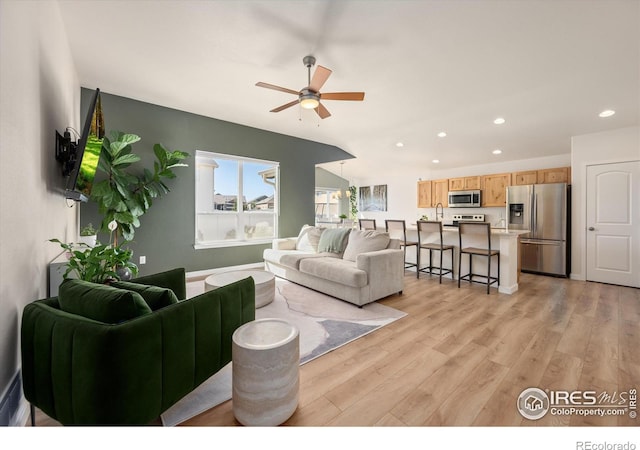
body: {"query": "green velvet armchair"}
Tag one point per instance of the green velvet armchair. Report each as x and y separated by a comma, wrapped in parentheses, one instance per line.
(85, 368)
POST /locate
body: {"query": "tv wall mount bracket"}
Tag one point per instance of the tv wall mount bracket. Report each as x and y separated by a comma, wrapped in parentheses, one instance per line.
(66, 152)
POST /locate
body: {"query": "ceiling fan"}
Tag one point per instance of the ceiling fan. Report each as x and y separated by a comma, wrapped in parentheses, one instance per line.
(310, 96)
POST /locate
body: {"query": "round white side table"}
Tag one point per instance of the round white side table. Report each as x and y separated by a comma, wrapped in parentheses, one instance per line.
(265, 372)
(265, 283)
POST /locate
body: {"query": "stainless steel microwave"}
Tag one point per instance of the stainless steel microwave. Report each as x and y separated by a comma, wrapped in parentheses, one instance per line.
(464, 199)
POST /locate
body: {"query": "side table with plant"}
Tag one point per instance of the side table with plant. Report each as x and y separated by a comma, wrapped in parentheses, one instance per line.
(99, 264)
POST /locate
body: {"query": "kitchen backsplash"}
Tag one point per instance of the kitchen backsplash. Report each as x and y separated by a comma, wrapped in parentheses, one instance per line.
(495, 216)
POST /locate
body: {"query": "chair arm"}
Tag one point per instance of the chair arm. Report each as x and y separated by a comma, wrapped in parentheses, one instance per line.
(174, 279)
(284, 244)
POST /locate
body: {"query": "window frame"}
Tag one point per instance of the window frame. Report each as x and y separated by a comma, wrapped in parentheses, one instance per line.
(241, 213)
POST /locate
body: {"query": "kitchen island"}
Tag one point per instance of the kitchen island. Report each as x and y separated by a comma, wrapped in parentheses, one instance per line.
(501, 239)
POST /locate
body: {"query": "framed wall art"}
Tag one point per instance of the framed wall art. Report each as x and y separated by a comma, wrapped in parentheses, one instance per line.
(373, 198)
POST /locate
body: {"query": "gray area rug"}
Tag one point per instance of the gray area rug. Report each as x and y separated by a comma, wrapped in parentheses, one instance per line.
(325, 323)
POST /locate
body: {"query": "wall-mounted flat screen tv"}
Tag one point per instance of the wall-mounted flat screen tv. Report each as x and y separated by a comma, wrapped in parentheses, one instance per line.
(88, 151)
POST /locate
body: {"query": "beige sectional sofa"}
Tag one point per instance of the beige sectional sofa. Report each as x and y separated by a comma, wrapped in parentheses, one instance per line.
(359, 266)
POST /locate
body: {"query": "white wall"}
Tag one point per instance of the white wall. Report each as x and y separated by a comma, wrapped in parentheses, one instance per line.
(402, 196)
(39, 93)
(589, 149)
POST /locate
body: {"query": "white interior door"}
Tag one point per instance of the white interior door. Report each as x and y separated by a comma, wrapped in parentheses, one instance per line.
(613, 223)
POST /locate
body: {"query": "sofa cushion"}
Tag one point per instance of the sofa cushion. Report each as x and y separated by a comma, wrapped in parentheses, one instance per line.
(101, 302)
(333, 240)
(291, 258)
(156, 297)
(335, 270)
(288, 258)
(309, 238)
(363, 241)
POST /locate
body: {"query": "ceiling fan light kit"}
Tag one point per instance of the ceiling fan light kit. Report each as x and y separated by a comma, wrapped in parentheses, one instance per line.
(309, 97)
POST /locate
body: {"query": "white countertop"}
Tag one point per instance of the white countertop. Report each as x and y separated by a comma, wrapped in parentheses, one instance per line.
(493, 231)
(497, 231)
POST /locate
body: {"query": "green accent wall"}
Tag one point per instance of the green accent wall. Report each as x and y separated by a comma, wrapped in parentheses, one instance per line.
(166, 233)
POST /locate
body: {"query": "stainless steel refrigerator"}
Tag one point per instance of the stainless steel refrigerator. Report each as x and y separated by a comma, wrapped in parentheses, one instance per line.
(543, 209)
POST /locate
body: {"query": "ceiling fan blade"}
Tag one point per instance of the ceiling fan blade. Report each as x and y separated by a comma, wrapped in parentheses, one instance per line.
(319, 78)
(288, 105)
(322, 111)
(355, 96)
(277, 88)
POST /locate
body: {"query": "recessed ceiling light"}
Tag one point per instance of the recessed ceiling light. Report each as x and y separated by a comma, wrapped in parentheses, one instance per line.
(399, 144)
(442, 134)
(607, 113)
(497, 151)
(499, 121)
(435, 161)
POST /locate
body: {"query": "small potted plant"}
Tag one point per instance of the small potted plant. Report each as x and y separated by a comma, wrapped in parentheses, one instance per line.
(99, 264)
(88, 235)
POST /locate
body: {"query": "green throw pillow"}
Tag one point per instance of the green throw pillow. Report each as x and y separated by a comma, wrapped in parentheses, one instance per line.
(100, 302)
(333, 240)
(156, 297)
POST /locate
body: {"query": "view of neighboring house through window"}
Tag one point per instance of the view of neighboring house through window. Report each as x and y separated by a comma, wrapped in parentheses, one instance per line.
(236, 200)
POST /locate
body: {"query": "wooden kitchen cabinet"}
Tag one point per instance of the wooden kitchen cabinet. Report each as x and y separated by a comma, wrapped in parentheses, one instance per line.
(542, 176)
(494, 189)
(439, 192)
(424, 194)
(557, 175)
(525, 177)
(464, 183)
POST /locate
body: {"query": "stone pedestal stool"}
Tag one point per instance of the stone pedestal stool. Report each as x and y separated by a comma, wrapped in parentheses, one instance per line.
(265, 375)
(265, 283)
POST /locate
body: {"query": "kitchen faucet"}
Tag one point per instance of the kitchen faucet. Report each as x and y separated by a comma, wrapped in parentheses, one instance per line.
(441, 211)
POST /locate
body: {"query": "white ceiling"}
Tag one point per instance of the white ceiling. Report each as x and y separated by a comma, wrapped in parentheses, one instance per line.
(547, 66)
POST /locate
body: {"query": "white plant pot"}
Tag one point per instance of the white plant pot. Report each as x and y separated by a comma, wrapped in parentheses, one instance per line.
(89, 240)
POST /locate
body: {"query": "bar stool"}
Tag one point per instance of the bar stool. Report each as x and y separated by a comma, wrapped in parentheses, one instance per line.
(397, 229)
(480, 232)
(426, 228)
(367, 224)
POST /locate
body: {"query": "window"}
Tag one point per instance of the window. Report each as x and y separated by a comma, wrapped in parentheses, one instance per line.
(327, 204)
(236, 200)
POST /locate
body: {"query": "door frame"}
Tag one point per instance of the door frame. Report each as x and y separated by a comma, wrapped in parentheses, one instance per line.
(585, 205)
(578, 237)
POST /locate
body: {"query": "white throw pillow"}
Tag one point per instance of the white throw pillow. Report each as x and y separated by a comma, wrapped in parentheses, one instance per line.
(308, 239)
(363, 241)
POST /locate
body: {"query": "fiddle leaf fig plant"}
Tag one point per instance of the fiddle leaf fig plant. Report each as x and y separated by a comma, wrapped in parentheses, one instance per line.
(125, 195)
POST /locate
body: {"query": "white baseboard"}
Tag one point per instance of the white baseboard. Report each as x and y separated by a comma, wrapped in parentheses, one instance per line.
(14, 408)
(22, 417)
(508, 289)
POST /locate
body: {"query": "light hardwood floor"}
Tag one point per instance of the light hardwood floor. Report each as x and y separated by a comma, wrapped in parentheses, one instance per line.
(461, 357)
